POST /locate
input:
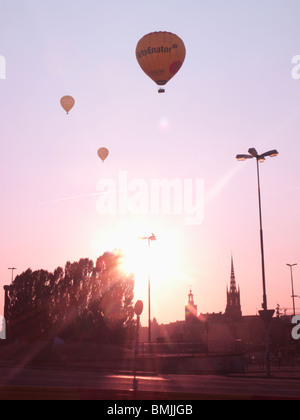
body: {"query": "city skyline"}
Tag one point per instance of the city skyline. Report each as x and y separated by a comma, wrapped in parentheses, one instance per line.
(237, 89)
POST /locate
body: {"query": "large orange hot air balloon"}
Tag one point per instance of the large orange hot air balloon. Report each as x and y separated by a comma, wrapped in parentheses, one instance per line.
(160, 55)
(67, 102)
(103, 153)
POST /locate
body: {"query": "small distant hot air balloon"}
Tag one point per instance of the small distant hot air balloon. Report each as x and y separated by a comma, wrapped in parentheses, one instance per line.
(103, 153)
(67, 102)
(160, 55)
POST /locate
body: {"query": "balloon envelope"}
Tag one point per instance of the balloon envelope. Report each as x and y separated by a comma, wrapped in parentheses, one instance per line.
(160, 55)
(103, 153)
(67, 102)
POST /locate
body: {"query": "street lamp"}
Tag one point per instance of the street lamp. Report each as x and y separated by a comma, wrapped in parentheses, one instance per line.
(138, 309)
(149, 239)
(12, 273)
(265, 313)
(293, 294)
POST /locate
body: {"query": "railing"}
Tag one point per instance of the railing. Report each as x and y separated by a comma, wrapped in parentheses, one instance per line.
(187, 348)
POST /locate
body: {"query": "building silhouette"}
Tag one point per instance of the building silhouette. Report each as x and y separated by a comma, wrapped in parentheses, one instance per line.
(191, 309)
(222, 331)
(233, 309)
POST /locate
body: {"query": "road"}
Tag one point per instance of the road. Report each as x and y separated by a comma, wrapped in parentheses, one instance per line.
(18, 383)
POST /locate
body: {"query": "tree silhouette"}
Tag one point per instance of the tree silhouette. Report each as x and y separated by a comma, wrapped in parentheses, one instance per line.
(83, 302)
(115, 294)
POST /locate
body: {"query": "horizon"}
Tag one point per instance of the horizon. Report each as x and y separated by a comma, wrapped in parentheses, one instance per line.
(144, 319)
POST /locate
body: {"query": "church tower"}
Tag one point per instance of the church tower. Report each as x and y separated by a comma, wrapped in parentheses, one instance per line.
(233, 309)
(190, 309)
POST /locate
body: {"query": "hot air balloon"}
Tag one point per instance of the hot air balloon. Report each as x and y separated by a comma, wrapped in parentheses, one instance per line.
(67, 102)
(160, 55)
(103, 153)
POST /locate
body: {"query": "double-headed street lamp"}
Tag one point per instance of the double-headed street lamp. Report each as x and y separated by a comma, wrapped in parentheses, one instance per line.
(149, 239)
(293, 294)
(265, 313)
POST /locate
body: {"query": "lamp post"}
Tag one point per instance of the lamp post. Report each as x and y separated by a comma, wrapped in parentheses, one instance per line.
(12, 273)
(138, 309)
(265, 314)
(292, 281)
(149, 239)
(6, 303)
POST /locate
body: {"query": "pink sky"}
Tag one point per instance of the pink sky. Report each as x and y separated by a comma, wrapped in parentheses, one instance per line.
(234, 91)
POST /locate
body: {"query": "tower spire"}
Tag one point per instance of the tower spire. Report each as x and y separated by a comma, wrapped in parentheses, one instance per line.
(232, 277)
(191, 309)
(233, 309)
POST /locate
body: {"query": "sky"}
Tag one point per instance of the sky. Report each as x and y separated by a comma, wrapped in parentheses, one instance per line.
(235, 90)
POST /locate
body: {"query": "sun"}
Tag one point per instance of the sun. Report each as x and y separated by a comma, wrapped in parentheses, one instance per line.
(134, 258)
(159, 259)
(164, 261)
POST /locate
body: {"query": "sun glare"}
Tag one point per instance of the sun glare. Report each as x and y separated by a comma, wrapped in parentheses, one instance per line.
(164, 261)
(159, 260)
